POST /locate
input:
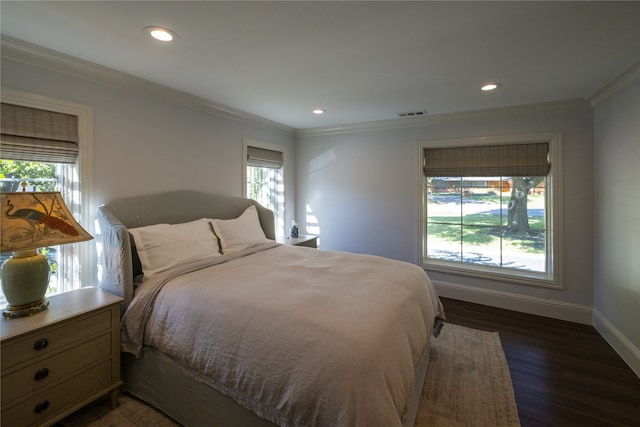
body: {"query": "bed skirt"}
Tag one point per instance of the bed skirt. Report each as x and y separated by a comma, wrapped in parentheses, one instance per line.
(157, 380)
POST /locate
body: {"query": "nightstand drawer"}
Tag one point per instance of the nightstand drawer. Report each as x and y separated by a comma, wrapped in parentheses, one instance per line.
(50, 402)
(50, 340)
(47, 371)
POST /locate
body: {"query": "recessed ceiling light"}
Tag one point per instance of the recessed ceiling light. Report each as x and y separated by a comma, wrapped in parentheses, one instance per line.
(491, 86)
(159, 33)
(318, 111)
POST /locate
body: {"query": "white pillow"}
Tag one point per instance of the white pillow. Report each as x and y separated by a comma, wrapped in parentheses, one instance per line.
(163, 246)
(240, 233)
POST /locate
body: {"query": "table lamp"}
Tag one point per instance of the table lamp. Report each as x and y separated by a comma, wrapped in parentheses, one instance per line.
(30, 221)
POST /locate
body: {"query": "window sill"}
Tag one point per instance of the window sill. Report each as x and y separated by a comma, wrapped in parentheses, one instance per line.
(490, 273)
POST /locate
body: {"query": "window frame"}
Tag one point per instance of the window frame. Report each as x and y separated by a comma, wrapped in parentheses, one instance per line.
(87, 255)
(554, 204)
(280, 229)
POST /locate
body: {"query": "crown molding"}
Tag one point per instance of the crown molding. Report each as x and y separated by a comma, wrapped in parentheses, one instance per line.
(576, 104)
(624, 80)
(38, 56)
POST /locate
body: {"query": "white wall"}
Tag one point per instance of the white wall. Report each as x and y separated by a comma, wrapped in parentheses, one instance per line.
(143, 144)
(617, 223)
(363, 189)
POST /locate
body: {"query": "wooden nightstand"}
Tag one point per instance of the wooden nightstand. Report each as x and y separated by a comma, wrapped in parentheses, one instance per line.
(57, 361)
(308, 240)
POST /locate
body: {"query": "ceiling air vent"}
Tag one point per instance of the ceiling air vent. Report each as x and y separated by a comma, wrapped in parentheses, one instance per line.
(413, 113)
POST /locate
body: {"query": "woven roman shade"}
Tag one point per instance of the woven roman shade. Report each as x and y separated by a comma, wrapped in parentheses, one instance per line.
(489, 160)
(31, 134)
(262, 157)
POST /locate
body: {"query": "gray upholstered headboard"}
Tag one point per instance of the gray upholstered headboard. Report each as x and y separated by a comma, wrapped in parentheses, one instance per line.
(116, 217)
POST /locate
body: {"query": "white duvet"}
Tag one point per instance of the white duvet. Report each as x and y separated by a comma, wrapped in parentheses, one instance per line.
(301, 337)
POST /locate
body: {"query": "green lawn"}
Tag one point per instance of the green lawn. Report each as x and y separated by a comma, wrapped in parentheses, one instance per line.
(476, 222)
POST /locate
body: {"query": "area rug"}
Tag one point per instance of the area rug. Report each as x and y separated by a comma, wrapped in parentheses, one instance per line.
(468, 384)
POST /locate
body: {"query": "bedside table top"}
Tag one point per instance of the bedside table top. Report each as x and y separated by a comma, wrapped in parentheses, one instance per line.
(62, 306)
(296, 240)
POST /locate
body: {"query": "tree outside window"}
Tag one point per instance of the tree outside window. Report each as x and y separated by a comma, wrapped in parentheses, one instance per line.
(491, 221)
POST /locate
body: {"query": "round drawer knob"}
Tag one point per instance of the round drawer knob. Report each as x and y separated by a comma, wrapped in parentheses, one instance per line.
(41, 374)
(41, 406)
(41, 344)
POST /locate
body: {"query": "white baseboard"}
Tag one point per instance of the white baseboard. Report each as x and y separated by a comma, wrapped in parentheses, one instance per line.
(510, 301)
(625, 348)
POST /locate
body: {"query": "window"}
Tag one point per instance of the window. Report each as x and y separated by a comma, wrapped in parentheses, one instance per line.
(264, 177)
(51, 149)
(491, 208)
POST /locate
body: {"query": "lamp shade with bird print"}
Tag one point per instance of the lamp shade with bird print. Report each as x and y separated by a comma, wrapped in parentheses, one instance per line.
(30, 221)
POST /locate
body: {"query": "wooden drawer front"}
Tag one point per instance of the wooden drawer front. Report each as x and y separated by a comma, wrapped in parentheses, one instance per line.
(47, 371)
(49, 403)
(53, 339)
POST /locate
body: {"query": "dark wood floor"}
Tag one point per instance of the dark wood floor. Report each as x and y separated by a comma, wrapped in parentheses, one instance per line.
(563, 373)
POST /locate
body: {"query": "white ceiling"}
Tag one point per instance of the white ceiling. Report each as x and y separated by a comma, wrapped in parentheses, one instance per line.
(361, 61)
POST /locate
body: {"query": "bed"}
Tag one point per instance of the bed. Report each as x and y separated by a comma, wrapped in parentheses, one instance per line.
(222, 326)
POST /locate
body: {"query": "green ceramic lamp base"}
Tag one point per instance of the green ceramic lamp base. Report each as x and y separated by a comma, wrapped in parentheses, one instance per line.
(25, 279)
